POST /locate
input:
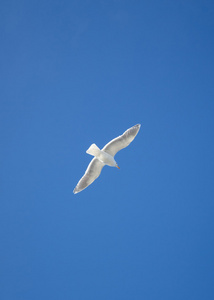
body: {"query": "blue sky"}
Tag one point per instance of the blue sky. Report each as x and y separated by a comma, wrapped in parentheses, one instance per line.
(75, 73)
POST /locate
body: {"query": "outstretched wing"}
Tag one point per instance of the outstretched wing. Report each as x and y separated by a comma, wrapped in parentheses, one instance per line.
(93, 171)
(121, 141)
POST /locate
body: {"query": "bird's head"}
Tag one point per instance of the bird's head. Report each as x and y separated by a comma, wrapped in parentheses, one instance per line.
(117, 166)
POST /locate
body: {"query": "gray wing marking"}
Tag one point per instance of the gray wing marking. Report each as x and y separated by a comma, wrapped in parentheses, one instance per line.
(121, 141)
(92, 172)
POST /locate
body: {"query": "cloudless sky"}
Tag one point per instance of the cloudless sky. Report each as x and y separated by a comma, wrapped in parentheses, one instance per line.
(73, 73)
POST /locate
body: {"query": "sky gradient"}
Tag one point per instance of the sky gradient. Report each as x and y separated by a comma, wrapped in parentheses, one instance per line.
(75, 73)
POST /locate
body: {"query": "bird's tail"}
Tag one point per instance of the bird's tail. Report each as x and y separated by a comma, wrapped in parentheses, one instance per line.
(93, 150)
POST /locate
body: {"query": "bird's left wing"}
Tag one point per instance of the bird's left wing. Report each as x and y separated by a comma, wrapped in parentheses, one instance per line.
(93, 171)
(121, 141)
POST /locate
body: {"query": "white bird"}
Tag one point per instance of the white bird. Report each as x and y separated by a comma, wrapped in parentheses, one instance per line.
(105, 157)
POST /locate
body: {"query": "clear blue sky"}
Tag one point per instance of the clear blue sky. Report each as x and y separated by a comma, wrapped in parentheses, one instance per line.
(77, 72)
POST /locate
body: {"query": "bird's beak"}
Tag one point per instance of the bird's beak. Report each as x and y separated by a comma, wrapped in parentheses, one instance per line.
(117, 167)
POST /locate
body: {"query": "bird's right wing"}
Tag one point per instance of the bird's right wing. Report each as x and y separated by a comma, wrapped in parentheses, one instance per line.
(93, 171)
(121, 141)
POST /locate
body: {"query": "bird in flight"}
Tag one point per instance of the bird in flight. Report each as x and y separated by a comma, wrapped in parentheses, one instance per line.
(105, 156)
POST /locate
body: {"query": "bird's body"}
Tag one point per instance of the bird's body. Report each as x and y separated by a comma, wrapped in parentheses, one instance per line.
(105, 156)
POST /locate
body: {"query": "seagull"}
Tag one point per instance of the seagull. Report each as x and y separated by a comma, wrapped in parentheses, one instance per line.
(105, 156)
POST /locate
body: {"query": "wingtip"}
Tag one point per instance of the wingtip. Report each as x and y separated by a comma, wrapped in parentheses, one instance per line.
(75, 191)
(137, 126)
